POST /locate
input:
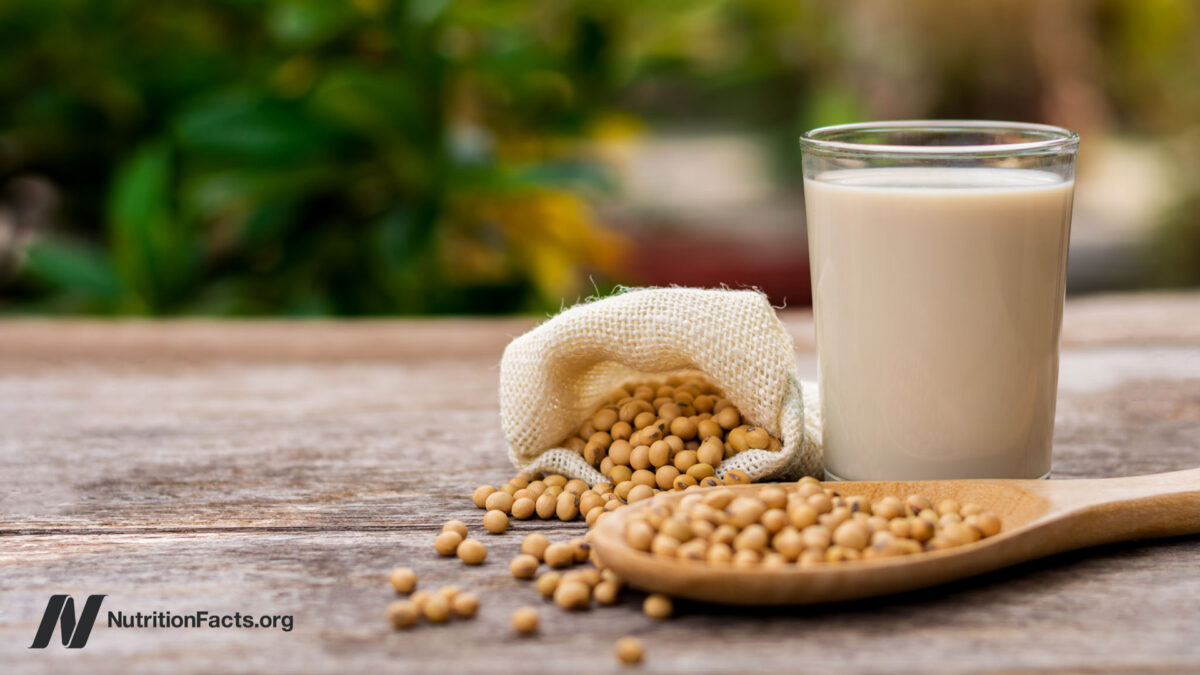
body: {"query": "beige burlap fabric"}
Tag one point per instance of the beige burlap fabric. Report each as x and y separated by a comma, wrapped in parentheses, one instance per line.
(556, 375)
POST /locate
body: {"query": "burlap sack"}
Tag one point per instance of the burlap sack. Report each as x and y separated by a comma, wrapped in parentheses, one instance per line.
(555, 376)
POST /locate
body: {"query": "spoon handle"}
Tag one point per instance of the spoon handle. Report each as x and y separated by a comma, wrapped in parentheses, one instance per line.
(1106, 510)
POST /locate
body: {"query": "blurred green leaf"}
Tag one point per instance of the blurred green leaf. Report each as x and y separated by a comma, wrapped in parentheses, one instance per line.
(154, 252)
(381, 104)
(268, 224)
(231, 193)
(75, 268)
(307, 23)
(242, 126)
(401, 236)
(426, 11)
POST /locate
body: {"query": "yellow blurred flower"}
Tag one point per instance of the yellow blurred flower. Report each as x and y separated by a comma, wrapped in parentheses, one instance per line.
(551, 236)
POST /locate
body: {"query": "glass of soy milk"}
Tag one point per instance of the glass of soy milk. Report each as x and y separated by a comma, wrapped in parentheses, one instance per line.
(938, 253)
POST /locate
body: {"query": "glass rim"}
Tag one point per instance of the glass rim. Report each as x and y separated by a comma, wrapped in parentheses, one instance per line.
(1046, 138)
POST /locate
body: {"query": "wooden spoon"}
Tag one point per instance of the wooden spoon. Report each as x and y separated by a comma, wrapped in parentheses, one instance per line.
(1039, 517)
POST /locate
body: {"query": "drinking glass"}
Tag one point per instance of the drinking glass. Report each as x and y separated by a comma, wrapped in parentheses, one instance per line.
(938, 254)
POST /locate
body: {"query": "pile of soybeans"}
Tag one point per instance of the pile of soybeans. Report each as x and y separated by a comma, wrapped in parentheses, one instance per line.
(650, 436)
(803, 523)
(673, 434)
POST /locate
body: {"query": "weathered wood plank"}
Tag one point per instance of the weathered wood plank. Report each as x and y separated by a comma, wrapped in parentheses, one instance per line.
(189, 341)
(285, 468)
(1160, 319)
(288, 446)
(1071, 612)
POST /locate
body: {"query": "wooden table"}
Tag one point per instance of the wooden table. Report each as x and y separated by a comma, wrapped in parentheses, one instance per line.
(285, 468)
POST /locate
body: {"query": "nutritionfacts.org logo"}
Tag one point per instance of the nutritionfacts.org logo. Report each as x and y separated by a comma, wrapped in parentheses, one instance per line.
(76, 629)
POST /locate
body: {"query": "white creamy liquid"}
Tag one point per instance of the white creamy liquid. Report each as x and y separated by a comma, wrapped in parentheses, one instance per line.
(938, 299)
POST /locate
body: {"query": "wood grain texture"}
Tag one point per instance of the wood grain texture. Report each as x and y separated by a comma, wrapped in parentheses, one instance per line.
(273, 467)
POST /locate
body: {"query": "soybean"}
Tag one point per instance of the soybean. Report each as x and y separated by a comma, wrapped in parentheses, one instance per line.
(572, 594)
(466, 605)
(658, 606)
(495, 521)
(481, 494)
(447, 543)
(436, 609)
(472, 552)
(523, 566)
(629, 650)
(606, 592)
(535, 545)
(403, 579)
(559, 555)
(547, 583)
(403, 613)
(498, 501)
(523, 508)
(525, 621)
(580, 549)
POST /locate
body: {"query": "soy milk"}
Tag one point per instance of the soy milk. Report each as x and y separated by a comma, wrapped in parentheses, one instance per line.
(938, 297)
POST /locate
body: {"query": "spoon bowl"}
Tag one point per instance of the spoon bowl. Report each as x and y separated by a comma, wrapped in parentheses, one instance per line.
(1038, 518)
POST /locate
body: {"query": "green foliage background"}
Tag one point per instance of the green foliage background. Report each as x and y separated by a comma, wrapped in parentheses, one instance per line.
(430, 156)
(297, 157)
